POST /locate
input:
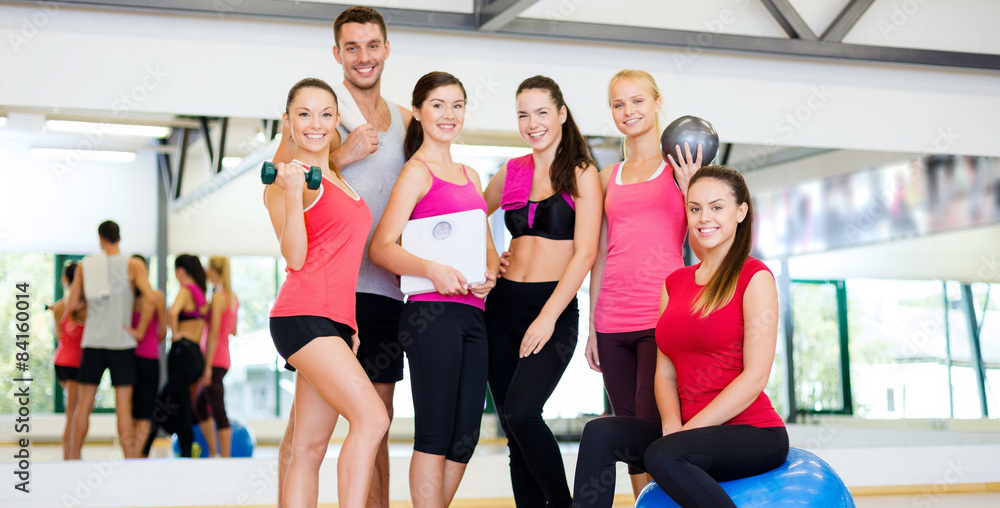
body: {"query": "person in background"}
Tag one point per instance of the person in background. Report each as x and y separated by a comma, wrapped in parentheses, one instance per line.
(221, 325)
(69, 332)
(149, 327)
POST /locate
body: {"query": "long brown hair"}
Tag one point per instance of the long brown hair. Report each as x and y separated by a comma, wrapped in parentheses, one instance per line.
(425, 85)
(572, 151)
(722, 286)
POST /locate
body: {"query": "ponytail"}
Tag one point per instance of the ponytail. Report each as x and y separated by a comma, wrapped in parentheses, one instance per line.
(414, 138)
(221, 266)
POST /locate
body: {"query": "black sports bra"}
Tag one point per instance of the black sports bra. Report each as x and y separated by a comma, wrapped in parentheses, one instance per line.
(553, 217)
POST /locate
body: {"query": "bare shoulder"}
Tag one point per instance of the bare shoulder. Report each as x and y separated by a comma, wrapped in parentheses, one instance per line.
(474, 177)
(407, 116)
(606, 174)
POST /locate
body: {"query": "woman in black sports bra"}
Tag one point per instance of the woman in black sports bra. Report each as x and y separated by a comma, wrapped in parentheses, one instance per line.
(552, 205)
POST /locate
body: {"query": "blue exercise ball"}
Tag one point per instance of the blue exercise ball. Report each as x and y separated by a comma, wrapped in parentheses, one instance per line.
(198, 438)
(243, 441)
(803, 480)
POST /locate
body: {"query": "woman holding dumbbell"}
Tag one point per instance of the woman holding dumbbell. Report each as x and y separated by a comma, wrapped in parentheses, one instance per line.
(322, 234)
(443, 333)
(641, 242)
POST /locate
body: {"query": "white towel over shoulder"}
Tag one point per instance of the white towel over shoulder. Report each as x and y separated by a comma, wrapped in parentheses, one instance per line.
(350, 113)
(96, 283)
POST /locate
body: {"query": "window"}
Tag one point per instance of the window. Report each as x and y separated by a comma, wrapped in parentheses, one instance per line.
(898, 348)
(37, 270)
(817, 351)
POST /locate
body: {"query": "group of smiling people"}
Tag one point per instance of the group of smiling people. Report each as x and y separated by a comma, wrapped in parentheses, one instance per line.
(685, 352)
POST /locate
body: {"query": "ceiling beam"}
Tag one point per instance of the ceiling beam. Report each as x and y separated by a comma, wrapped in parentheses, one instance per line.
(700, 41)
(828, 46)
(845, 20)
(789, 20)
(283, 9)
(495, 14)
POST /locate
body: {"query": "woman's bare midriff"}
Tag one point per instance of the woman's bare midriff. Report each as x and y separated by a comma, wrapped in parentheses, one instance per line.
(537, 259)
(190, 330)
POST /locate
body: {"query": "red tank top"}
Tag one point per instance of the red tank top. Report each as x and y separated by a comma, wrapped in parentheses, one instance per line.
(442, 198)
(226, 327)
(70, 334)
(708, 353)
(336, 229)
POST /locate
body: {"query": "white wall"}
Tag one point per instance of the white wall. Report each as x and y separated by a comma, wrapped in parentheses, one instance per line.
(56, 206)
(78, 58)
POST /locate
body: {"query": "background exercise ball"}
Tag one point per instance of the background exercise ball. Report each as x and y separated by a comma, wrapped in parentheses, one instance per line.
(803, 480)
(695, 131)
(198, 438)
(244, 440)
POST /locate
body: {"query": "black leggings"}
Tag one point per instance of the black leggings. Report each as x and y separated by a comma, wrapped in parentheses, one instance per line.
(185, 364)
(687, 465)
(445, 344)
(520, 387)
(213, 396)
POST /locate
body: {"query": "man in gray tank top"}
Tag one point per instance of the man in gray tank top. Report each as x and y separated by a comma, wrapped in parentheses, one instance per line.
(106, 284)
(370, 159)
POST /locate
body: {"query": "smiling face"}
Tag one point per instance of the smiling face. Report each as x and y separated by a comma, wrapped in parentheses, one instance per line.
(633, 107)
(362, 50)
(311, 118)
(713, 213)
(442, 113)
(539, 119)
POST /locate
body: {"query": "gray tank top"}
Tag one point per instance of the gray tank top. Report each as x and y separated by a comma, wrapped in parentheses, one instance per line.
(108, 316)
(373, 178)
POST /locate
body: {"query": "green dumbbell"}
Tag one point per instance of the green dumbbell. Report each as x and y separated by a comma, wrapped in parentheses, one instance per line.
(313, 177)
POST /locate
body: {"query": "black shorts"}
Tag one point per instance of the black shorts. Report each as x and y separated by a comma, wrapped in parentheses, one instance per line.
(64, 373)
(292, 333)
(147, 380)
(380, 352)
(121, 363)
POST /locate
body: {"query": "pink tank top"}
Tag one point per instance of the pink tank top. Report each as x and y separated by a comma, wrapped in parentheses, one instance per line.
(646, 227)
(148, 347)
(446, 197)
(336, 229)
(68, 352)
(226, 326)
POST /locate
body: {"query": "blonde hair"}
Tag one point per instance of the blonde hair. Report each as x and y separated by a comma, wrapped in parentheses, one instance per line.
(645, 80)
(221, 266)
